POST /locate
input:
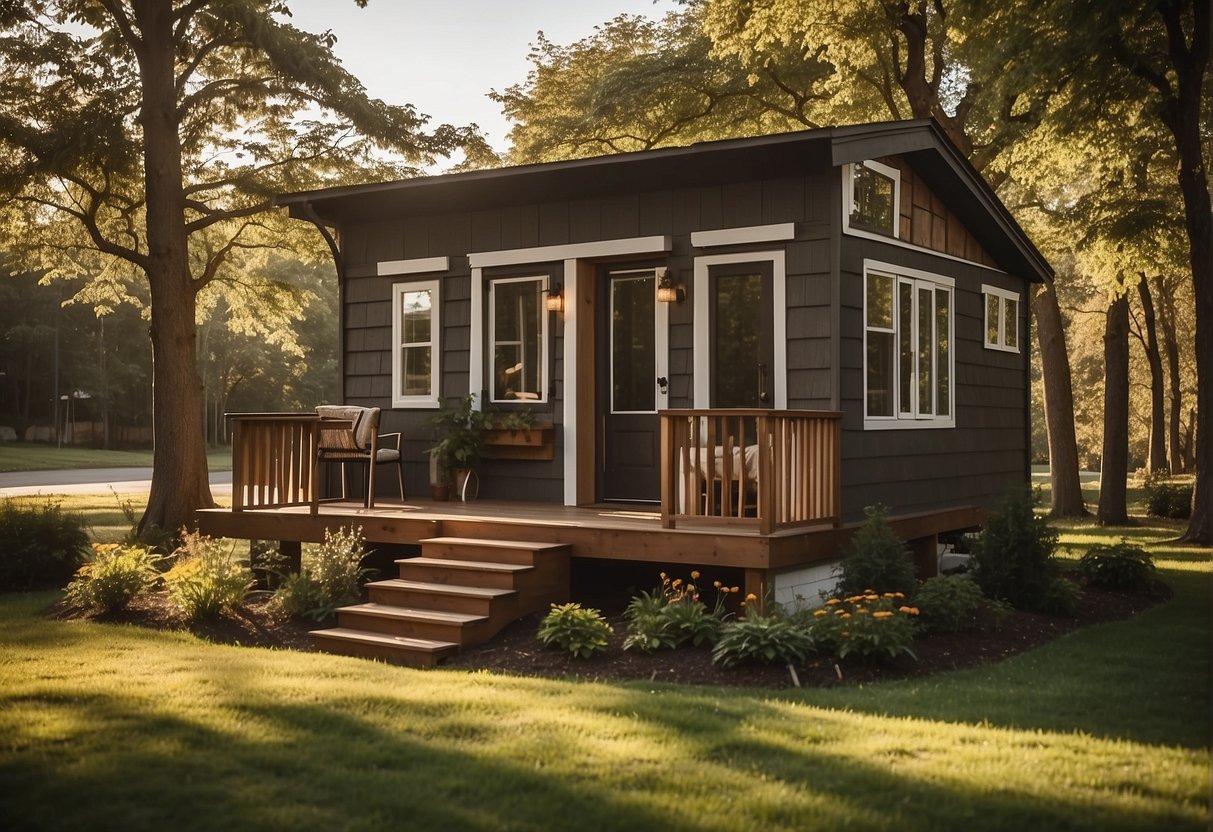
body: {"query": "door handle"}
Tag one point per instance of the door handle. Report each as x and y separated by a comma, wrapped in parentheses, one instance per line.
(664, 384)
(763, 395)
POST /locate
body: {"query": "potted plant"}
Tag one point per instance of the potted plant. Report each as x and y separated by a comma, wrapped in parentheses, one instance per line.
(460, 436)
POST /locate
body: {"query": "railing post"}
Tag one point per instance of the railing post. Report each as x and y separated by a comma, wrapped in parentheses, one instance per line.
(668, 486)
(766, 483)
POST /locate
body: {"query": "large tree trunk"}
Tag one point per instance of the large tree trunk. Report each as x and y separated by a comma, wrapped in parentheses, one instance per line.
(1157, 459)
(179, 474)
(1059, 406)
(1114, 467)
(1170, 348)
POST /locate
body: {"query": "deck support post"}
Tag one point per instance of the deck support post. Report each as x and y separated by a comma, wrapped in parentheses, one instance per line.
(926, 556)
(756, 584)
(291, 553)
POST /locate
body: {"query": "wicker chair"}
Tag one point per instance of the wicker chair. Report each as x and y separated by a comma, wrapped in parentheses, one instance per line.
(351, 434)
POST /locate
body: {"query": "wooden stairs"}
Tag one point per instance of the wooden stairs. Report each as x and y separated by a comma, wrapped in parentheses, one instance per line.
(460, 592)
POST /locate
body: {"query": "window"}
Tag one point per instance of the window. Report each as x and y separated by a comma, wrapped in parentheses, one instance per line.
(908, 349)
(871, 194)
(415, 354)
(1002, 319)
(518, 339)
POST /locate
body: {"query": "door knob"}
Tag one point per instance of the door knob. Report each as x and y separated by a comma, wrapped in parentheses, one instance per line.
(763, 396)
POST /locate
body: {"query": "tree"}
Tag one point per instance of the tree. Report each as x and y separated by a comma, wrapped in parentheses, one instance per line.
(1113, 506)
(1147, 335)
(162, 130)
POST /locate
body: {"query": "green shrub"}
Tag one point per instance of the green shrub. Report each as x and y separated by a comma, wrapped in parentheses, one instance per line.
(762, 638)
(876, 560)
(580, 632)
(330, 578)
(673, 614)
(1122, 566)
(114, 576)
(648, 632)
(1014, 556)
(41, 546)
(207, 577)
(949, 603)
(1061, 597)
(1168, 499)
(300, 596)
(866, 625)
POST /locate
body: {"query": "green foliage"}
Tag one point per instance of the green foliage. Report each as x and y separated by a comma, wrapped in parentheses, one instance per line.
(1061, 597)
(330, 578)
(674, 614)
(949, 603)
(865, 625)
(460, 434)
(1120, 566)
(773, 638)
(207, 578)
(114, 576)
(876, 561)
(40, 545)
(1168, 499)
(1014, 556)
(578, 631)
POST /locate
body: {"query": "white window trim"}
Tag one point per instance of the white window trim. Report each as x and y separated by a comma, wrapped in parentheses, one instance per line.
(661, 345)
(701, 337)
(744, 235)
(1003, 296)
(419, 265)
(435, 289)
(848, 199)
(544, 282)
(911, 421)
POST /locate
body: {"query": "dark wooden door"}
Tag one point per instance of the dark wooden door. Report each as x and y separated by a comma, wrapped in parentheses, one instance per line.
(741, 328)
(627, 398)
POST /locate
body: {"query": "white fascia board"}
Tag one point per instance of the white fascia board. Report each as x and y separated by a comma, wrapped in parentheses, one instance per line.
(419, 265)
(744, 235)
(571, 251)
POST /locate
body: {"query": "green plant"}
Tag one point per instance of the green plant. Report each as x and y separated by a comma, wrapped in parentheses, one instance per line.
(460, 435)
(41, 545)
(868, 624)
(1061, 597)
(513, 420)
(1014, 556)
(330, 577)
(207, 578)
(762, 638)
(1168, 499)
(579, 631)
(114, 576)
(875, 559)
(949, 603)
(1120, 566)
(673, 614)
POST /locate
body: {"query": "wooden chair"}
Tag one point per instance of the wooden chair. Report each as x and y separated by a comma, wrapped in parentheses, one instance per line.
(349, 433)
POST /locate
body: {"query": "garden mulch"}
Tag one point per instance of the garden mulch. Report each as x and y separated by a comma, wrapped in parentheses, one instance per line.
(517, 651)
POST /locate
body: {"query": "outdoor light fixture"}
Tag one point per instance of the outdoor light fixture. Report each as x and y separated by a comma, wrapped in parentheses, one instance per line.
(667, 290)
(555, 299)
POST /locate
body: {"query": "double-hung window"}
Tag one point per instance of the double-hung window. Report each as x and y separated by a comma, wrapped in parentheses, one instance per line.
(415, 353)
(908, 356)
(1002, 318)
(518, 343)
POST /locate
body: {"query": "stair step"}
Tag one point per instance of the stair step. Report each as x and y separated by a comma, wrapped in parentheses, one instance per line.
(472, 600)
(454, 619)
(500, 551)
(478, 565)
(461, 628)
(463, 572)
(414, 651)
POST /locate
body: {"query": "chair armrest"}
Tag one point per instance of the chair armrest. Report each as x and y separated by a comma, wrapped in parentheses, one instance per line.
(383, 436)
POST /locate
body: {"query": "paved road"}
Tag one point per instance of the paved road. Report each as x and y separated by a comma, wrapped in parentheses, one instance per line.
(93, 481)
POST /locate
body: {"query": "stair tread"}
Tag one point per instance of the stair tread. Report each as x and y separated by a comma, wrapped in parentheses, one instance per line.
(419, 644)
(443, 589)
(498, 544)
(480, 565)
(413, 613)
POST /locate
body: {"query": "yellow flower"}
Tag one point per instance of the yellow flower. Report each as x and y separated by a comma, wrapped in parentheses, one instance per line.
(882, 614)
(735, 589)
(840, 611)
(694, 574)
(845, 633)
(908, 610)
(819, 612)
(868, 591)
(846, 615)
(716, 584)
(677, 583)
(663, 576)
(888, 595)
(751, 597)
(871, 596)
(832, 602)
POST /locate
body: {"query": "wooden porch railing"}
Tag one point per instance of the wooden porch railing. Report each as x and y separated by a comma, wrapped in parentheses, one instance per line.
(774, 469)
(274, 460)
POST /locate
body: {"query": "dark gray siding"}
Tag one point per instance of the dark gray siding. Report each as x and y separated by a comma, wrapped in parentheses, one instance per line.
(803, 200)
(912, 470)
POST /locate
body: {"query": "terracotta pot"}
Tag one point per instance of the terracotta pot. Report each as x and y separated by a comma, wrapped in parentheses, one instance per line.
(440, 491)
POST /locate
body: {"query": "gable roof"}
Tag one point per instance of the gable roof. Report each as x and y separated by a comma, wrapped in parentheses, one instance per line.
(922, 142)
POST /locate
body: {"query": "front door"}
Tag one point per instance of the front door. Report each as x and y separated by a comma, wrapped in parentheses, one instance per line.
(741, 334)
(631, 389)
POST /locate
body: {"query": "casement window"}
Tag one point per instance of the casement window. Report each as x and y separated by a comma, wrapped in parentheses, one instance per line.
(517, 343)
(1002, 318)
(908, 356)
(416, 348)
(871, 194)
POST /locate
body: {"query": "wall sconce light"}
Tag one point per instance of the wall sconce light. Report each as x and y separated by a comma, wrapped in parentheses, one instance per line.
(555, 299)
(667, 290)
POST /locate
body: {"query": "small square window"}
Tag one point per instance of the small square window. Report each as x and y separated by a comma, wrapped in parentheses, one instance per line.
(871, 197)
(1002, 319)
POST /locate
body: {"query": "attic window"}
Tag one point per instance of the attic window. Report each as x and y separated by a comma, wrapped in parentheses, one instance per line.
(1002, 319)
(871, 197)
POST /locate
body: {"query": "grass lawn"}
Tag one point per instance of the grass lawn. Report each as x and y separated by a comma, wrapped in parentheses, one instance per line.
(28, 456)
(109, 726)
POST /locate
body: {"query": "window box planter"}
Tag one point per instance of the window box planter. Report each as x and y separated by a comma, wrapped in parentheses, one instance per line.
(535, 442)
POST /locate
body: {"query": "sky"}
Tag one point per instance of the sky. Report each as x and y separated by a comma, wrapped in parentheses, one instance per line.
(443, 56)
